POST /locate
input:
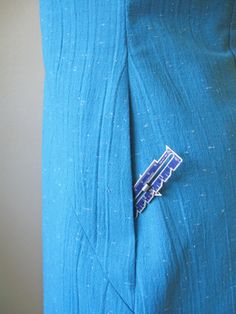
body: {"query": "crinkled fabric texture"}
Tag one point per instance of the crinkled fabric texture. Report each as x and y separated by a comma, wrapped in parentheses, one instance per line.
(123, 79)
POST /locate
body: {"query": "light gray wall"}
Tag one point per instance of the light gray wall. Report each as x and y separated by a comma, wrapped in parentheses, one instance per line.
(21, 89)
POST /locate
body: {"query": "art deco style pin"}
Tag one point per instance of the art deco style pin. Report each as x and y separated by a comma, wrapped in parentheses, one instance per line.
(151, 181)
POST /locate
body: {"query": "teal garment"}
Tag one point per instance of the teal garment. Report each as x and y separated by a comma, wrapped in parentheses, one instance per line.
(122, 80)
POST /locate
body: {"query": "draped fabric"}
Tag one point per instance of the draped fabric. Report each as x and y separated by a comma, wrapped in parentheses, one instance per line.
(123, 79)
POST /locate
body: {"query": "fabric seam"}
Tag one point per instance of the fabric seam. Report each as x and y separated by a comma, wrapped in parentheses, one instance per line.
(131, 158)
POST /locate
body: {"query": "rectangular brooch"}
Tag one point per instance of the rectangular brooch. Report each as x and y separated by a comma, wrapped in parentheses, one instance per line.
(151, 181)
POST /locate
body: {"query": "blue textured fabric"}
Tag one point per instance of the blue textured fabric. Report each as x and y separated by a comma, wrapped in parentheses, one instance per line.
(123, 79)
